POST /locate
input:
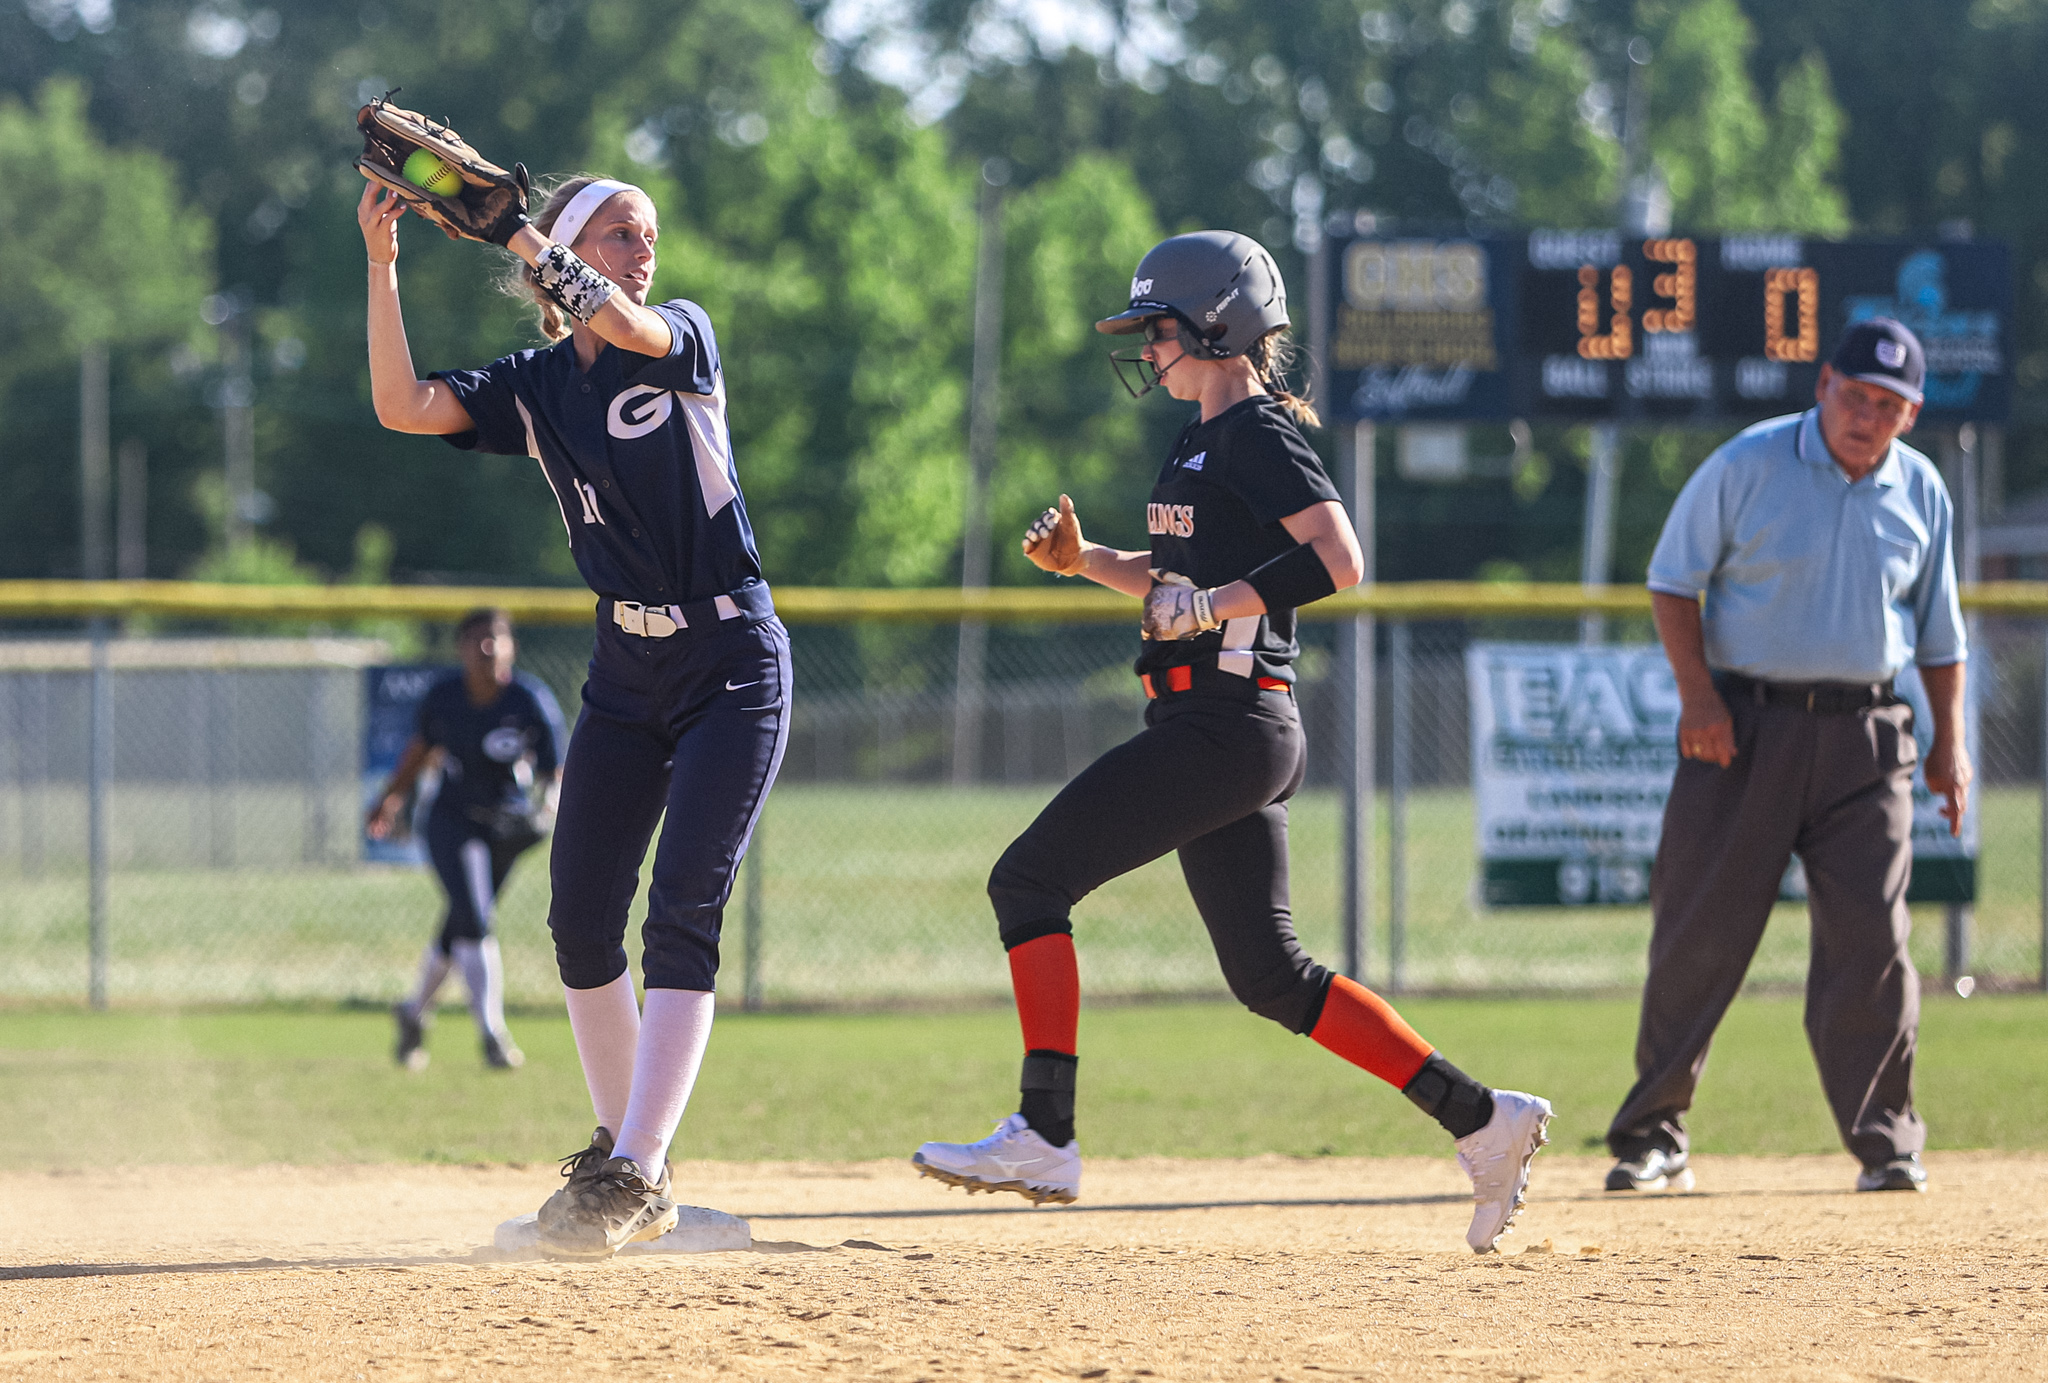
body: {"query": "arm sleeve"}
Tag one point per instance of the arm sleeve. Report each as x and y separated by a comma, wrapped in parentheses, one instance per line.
(1275, 472)
(493, 405)
(1689, 549)
(691, 365)
(549, 747)
(1937, 613)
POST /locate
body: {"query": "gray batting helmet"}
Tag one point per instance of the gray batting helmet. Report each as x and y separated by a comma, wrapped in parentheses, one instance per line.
(1223, 287)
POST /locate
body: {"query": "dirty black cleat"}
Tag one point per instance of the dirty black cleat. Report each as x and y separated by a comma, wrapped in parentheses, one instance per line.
(578, 1165)
(600, 1212)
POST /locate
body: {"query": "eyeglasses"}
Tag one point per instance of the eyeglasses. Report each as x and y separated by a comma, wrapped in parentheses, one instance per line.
(1874, 400)
(1159, 329)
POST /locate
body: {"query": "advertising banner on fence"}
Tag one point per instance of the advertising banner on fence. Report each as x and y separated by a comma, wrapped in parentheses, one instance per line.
(1573, 749)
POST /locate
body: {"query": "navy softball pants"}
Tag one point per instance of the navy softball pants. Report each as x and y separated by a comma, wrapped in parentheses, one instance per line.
(693, 725)
(473, 868)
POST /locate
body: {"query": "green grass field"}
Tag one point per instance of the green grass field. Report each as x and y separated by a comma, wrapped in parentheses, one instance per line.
(875, 894)
(1200, 1080)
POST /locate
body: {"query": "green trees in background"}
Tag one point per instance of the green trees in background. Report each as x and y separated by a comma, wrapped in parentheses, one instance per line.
(102, 250)
(101, 247)
(1945, 124)
(833, 243)
(1266, 115)
(1739, 159)
(815, 168)
(831, 238)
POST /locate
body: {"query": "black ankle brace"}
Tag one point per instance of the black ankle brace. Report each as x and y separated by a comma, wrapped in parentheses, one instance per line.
(1047, 1086)
(1449, 1096)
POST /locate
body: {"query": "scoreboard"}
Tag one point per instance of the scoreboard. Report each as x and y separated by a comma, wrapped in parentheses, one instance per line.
(1601, 325)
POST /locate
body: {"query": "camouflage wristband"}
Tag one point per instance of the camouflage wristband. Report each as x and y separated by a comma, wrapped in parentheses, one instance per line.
(576, 287)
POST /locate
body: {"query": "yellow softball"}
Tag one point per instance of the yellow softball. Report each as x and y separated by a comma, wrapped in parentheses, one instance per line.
(425, 169)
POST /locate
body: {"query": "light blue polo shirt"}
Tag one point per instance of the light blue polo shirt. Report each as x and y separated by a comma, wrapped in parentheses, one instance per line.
(1807, 577)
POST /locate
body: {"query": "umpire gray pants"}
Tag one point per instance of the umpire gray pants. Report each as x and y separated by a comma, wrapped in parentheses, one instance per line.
(1837, 789)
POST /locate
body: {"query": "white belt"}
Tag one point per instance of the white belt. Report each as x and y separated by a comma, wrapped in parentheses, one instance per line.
(660, 621)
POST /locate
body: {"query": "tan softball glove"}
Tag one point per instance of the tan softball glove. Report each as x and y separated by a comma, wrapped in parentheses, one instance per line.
(484, 202)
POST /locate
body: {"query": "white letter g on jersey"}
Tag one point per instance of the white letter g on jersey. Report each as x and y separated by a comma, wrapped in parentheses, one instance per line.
(638, 411)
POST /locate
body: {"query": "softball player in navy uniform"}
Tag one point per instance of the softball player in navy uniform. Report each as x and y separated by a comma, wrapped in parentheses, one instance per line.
(687, 703)
(496, 735)
(1245, 527)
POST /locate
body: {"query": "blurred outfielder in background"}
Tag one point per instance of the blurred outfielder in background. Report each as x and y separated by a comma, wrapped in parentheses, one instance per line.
(493, 737)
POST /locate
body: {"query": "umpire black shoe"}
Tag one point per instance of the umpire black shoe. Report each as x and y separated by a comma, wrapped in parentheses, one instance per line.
(1899, 1174)
(1653, 1169)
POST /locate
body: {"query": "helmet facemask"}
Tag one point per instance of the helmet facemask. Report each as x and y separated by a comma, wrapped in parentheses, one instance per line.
(1131, 363)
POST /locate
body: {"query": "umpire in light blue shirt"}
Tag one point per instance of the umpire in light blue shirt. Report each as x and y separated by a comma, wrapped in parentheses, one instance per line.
(1803, 565)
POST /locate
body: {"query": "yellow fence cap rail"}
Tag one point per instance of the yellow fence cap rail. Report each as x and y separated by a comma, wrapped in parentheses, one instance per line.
(1062, 604)
(210, 600)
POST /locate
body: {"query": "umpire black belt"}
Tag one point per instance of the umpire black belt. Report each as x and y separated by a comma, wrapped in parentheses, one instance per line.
(751, 602)
(1816, 698)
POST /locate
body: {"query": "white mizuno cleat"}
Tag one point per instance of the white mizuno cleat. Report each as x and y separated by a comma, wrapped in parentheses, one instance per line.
(1497, 1159)
(1013, 1158)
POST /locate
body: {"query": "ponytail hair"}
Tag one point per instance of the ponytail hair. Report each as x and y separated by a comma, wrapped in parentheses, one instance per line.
(518, 280)
(1272, 357)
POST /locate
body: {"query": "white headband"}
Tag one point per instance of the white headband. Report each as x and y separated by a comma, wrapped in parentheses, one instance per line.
(583, 206)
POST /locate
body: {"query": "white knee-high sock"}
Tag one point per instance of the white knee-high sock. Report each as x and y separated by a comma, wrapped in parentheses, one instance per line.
(673, 1035)
(433, 970)
(483, 970)
(606, 1021)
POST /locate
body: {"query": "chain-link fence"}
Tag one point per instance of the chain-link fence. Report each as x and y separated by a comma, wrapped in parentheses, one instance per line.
(228, 774)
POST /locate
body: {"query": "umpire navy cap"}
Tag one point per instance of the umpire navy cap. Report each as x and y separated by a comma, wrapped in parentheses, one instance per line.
(1882, 351)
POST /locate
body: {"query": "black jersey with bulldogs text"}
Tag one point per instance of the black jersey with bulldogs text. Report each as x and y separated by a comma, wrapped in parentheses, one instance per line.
(637, 454)
(483, 744)
(1215, 517)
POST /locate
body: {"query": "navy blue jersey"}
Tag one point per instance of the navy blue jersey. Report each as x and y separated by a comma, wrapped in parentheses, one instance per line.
(483, 745)
(1215, 517)
(637, 454)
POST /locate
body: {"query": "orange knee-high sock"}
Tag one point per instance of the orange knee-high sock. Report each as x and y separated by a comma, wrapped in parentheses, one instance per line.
(1047, 980)
(1363, 1028)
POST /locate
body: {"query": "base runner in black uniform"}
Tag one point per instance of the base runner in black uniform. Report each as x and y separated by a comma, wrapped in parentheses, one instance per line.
(1245, 527)
(496, 735)
(686, 709)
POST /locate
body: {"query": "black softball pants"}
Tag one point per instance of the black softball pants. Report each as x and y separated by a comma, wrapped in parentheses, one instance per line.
(1209, 777)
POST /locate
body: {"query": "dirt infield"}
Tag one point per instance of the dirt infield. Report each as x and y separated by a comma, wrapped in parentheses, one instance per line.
(1267, 1268)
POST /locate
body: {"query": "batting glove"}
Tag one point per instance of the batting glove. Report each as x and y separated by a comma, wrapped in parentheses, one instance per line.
(1176, 608)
